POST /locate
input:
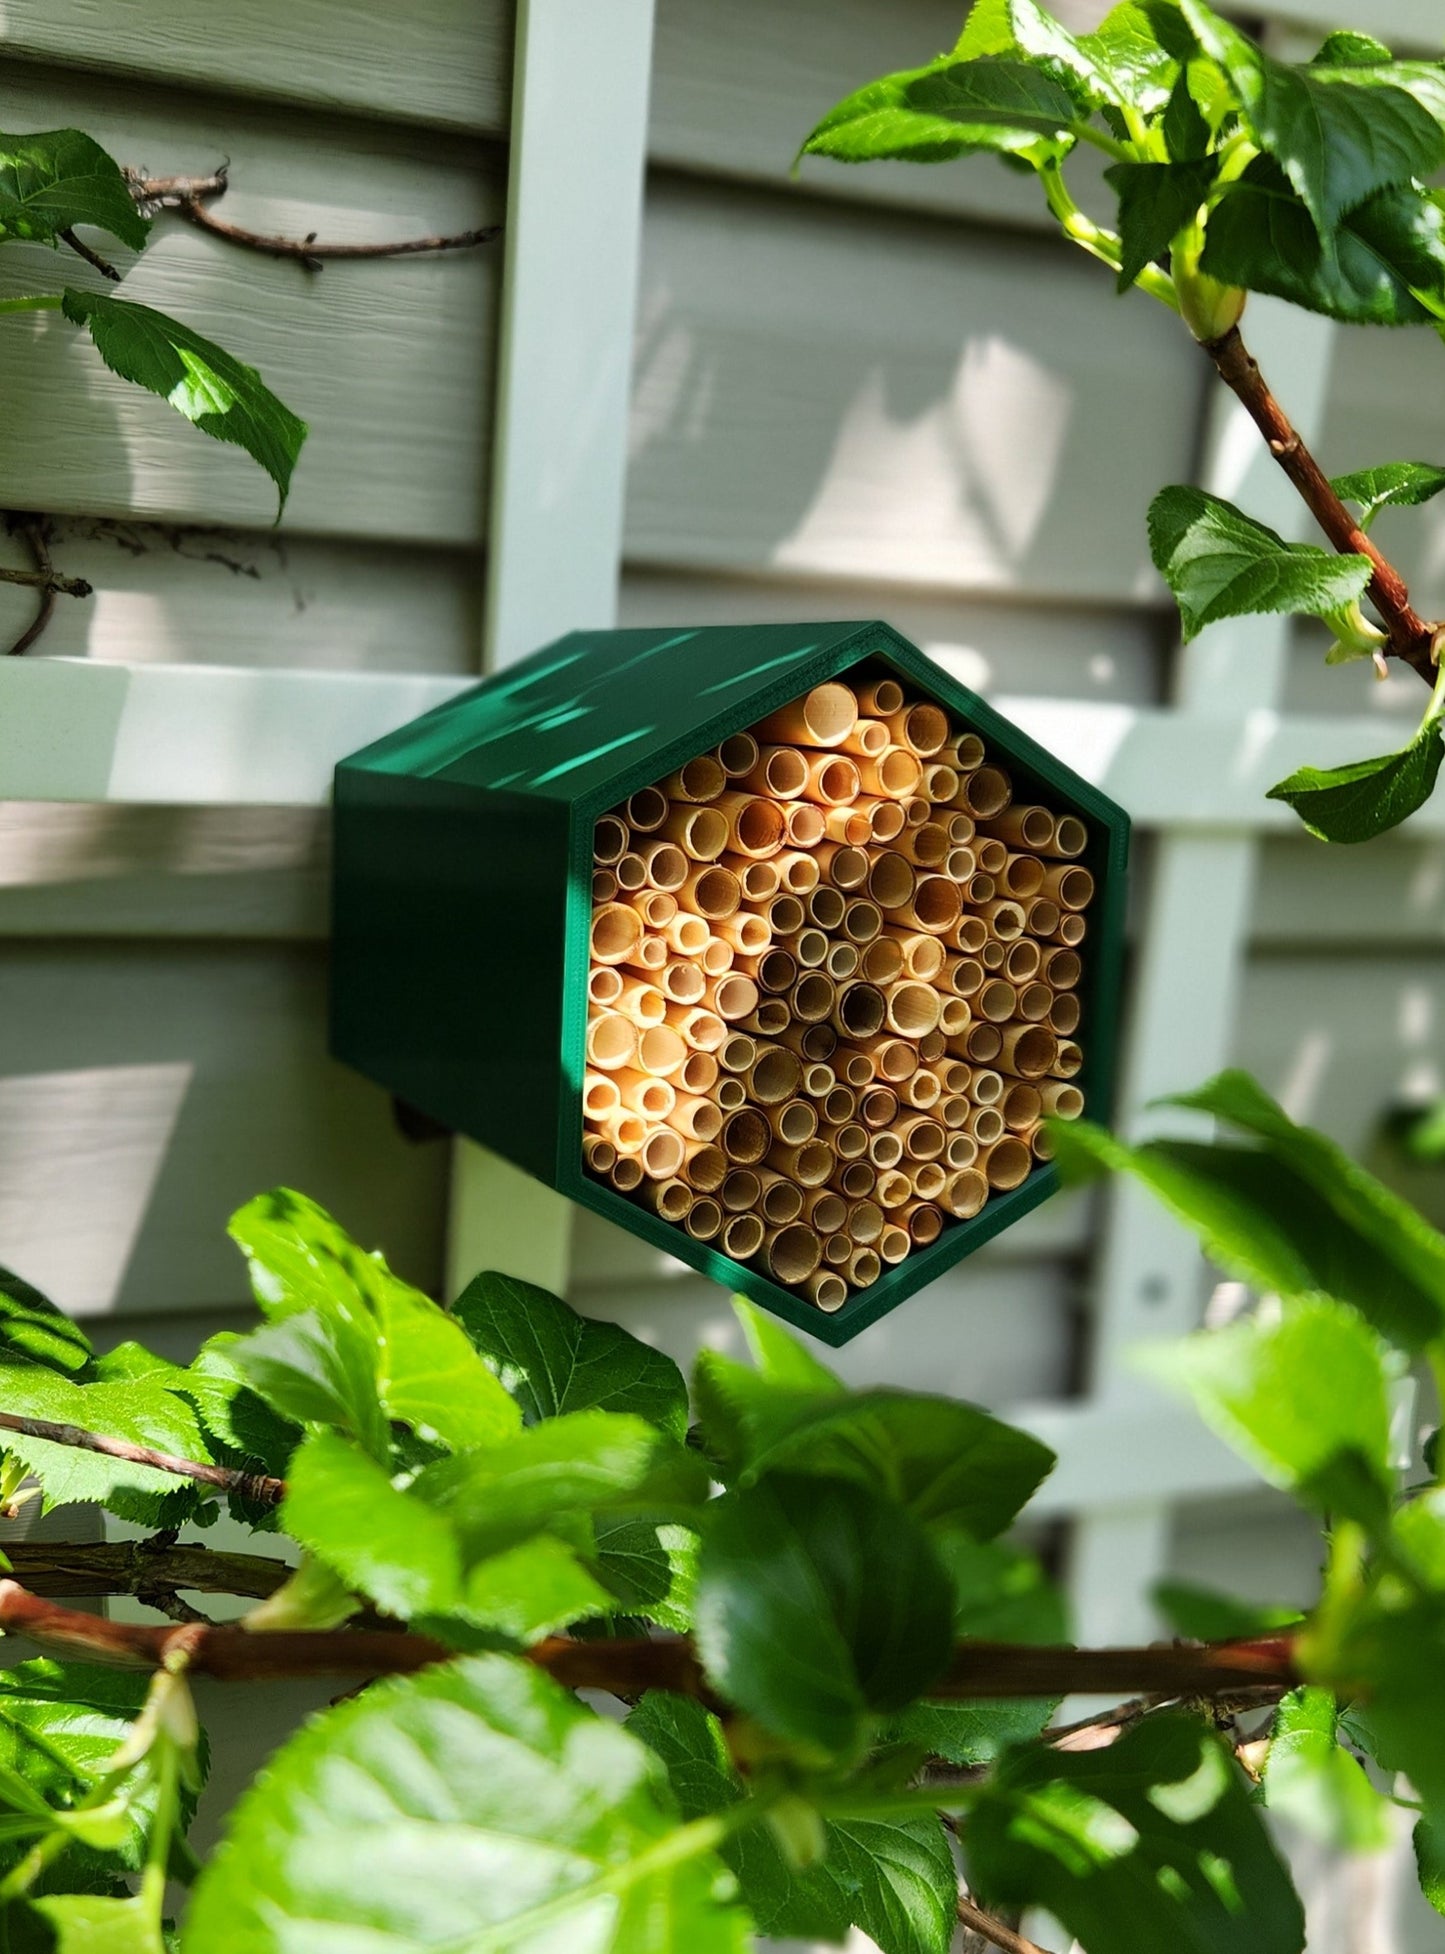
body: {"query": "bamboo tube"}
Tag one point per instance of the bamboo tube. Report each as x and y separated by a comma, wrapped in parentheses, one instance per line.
(890, 880)
(704, 1219)
(641, 1093)
(712, 893)
(1022, 1107)
(940, 783)
(700, 832)
(960, 865)
(646, 810)
(855, 1179)
(887, 820)
(1042, 917)
(812, 998)
(923, 1090)
(730, 1093)
(665, 866)
(662, 1153)
(894, 1244)
(986, 1087)
(982, 1043)
(799, 871)
(858, 1010)
(923, 1221)
(961, 827)
(922, 1138)
(810, 1164)
(984, 792)
(961, 1151)
(839, 1105)
(836, 1250)
(604, 887)
(1071, 837)
(1035, 1003)
(686, 936)
(670, 1199)
(864, 1223)
(737, 1052)
(598, 1153)
(935, 905)
(917, 808)
(929, 1179)
(1006, 1164)
(1028, 1051)
(699, 1029)
(611, 838)
(863, 1267)
(845, 867)
(848, 1139)
(832, 780)
(928, 846)
(792, 1254)
(785, 914)
(717, 957)
(745, 1137)
(741, 1191)
(759, 881)
(868, 737)
(742, 1236)
(774, 1075)
(993, 956)
(1061, 969)
(782, 1199)
(956, 1076)
(923, 726)
(705, 1167)
(966, 1193)
(1024, 825)
(895, 774)
(775, 971)
(611, 1041)
(1071, 931)
(616, 933)
(794, 1121)
(656, 907)
(823, 717)
(694, 1118)
(781, 772)
(828, 1291)
(932, 1046)
(604, 985)
(601, 1094)
(804, 823)
(878, 1108)
(1070, 886)
(746, 932)
(880, 697)
(885, 1150)
(815, 1043)
(658, 1051)
(1024, 960)
(882, 961)
(847, 827)
(979, 889)
(642, 1002)
(738, 754)
(862, 921)
(893, 1189)
(700, 779)
(996, 1002)
(955, 1110)
(770, 1018)
(1041, 1143)
(964, 976)
(625, 1130)
(698, 1072)
(912, 1009)
(1060, 1101)
(731, 997)
(969, 935)
(819, 1080)
(809, 948)
(827, 1212)
(894, 1059)
(825, 906)
(1069, 1060)
(626, 1173)
(756, 827)
(992, 854)
(855, 1068)
(954, 1018)
(1022, 876)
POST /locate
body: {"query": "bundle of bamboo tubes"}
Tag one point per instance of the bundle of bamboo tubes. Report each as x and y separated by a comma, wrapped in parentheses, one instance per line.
(833, 990)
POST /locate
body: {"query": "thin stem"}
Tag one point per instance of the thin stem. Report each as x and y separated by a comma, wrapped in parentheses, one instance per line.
(260, 1487)
(1410, 637)
(1101, 139)
(163, 1825)
(994, 1931)
(42, 302)
(1098, 242)
(143, 1568)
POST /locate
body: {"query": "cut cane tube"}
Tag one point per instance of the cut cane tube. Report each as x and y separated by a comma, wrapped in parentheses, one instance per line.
(1061, 1101)
(1022, 1106)
(969, 934)
(716, 957)
(1024, 826)
(965, 1194)
(641, 1093)
(823, 717)
(662, 1153)
(825, 906)
(846, 826)
(928, 846)
(774, 1075)
(701, 779)
(611, 839)
(864, 1266)
(1061, 969)
(982, 1043)
(832, 780)
(759, 880)
(616, 933)
(894, 1058)
(858, 1011)
(940, 783)
(1022, 875)
(798, 870)
(1068, 1061)
(670, 1199)
(601, 1094)
(731, 997)
(964, 976)
(646, 810)
(704, 1219)
(604, 985)
(785, 914)
(741, 1191)
(730, 1093)
(954, 1018)
(625, 1130)
(1024, 960)
(935, 905)
(1006, 1164)
(737, 1052)
(700, 832)
(845, 867)
(809, 948)
(611, 1042)
(742, 1237)
(738, 754)
(912, 1009)
(1028, 1051)
(961, 1151)
(626, 1173)
(932, 1046)
(704, 1167)
(656, 907)
(745, 1138)
(855, 1068)
(665, 866)
(878, 1108)
(686, 935)
(895, 774)
(1070, 886)
(891, 880)
(642, 1002)
(598, 1153)
(985, 792)
(885, 1150)
(604, 887)
(775, 971)
(1071, 930)
(862, 920)
(810, 1164)
(836, 1250)
(894, 1244)
(923, 1221)
(1041, 1143)
(1071, 837)
(813, 998)
(1064, 1014)
(770, 1018)
(960, 865)
(923, 726)
(792, 1254)
(923, 1090)
(697, 1073)
(804, 823)
(893, 1189)
(826, 1211)
(929, 1179)
(996, 1002)
(887, 820)
(986, 1087)
(980, 889)
(856, 1180)
(1035, 1003)
(712, 893)
(882, 960)
(660, 1050)
(880, 698)
(782, 1199)
(781, 771)
(746, 933)
(868, 738)
(693, 1118)
(865, 1223)
(828, 1290)
(699, 1029)
(794, 1121)
(922, 1138)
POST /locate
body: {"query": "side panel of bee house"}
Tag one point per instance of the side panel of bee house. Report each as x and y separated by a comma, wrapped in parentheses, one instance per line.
(770, 944)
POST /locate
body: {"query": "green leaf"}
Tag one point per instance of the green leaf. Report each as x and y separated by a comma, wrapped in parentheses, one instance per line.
(896, 1882)
(1348, 49)
(883, 122)
(31, 1326)
(1141, 66)
(1310, 1780)
(1305, 1399)
(535, 1588)
(1156, 202)
(53, 181)
(343, 1508)
(83, 1923)
(1392, 1660)
(318, 1370)
(1338, 139)
(1183, 126)
(478, 1806)
(1394, 485)
(432, 1379)
(553, 1361)
(1220, 563)
(1428, 1839)
(1150, 1843)
(234, 1416)
(1383, 266)
(818, 1602)
(212, 389)
(649, 1570)
(995, 92)
(300, 1258)
(1205, 1615)
(1368, 797)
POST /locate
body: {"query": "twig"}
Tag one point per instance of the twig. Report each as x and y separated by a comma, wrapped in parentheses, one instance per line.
(259, 1487)
(995, 1932)
(185, 195)
(83, 250)
(61, 1569)
(42, 578)
(1410, 637)
(166, 1601)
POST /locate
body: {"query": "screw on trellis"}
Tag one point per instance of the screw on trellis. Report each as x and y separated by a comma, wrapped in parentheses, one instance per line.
(772, 944)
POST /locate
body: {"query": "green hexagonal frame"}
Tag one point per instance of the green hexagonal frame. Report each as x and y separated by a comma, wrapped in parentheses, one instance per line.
(462, 896)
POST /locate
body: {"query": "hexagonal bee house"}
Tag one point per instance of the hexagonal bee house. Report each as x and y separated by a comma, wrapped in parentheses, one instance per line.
(771, 944)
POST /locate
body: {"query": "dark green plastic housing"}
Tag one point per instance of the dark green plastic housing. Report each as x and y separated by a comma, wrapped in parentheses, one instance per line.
(462, 896)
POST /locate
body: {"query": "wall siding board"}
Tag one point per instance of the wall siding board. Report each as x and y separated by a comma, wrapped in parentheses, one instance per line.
(835, 393)
(388, 361)
(444, 64)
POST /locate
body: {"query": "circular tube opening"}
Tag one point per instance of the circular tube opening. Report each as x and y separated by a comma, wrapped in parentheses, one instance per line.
(996, 1001)
(673, 1200)
(741, 1191)
(986, 791)
(937, 903)
(890, 881)
(785, 772)
(1071, 837)
(616, 932)
(775, 1076)
(859, 1010)
(600, 1095)
(612, 1042)
(746, 1137)
(715, 895)
(897, 772)
(793, 1254)
(610, 840)
(925, 727)
(705, 1168)
(1075, 888)
(806, 826)
(1035, 1001)
(742, 1237)
(966, 1193)
(782, 1201)
(836, 782)
(1008, 1164)
(758, 828)
(828, 1291)
(913, 1009)
(738, 754)
(813, 997)
(662, 1153)
(700, 779)
(704, 1219)
(661, 1050)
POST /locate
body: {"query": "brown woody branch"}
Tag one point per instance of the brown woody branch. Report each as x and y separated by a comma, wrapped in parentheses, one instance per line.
(42, 578)
(259, 1487)
(996, 1932)
(143, 1568)
(186, 196)
(1410, 637)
